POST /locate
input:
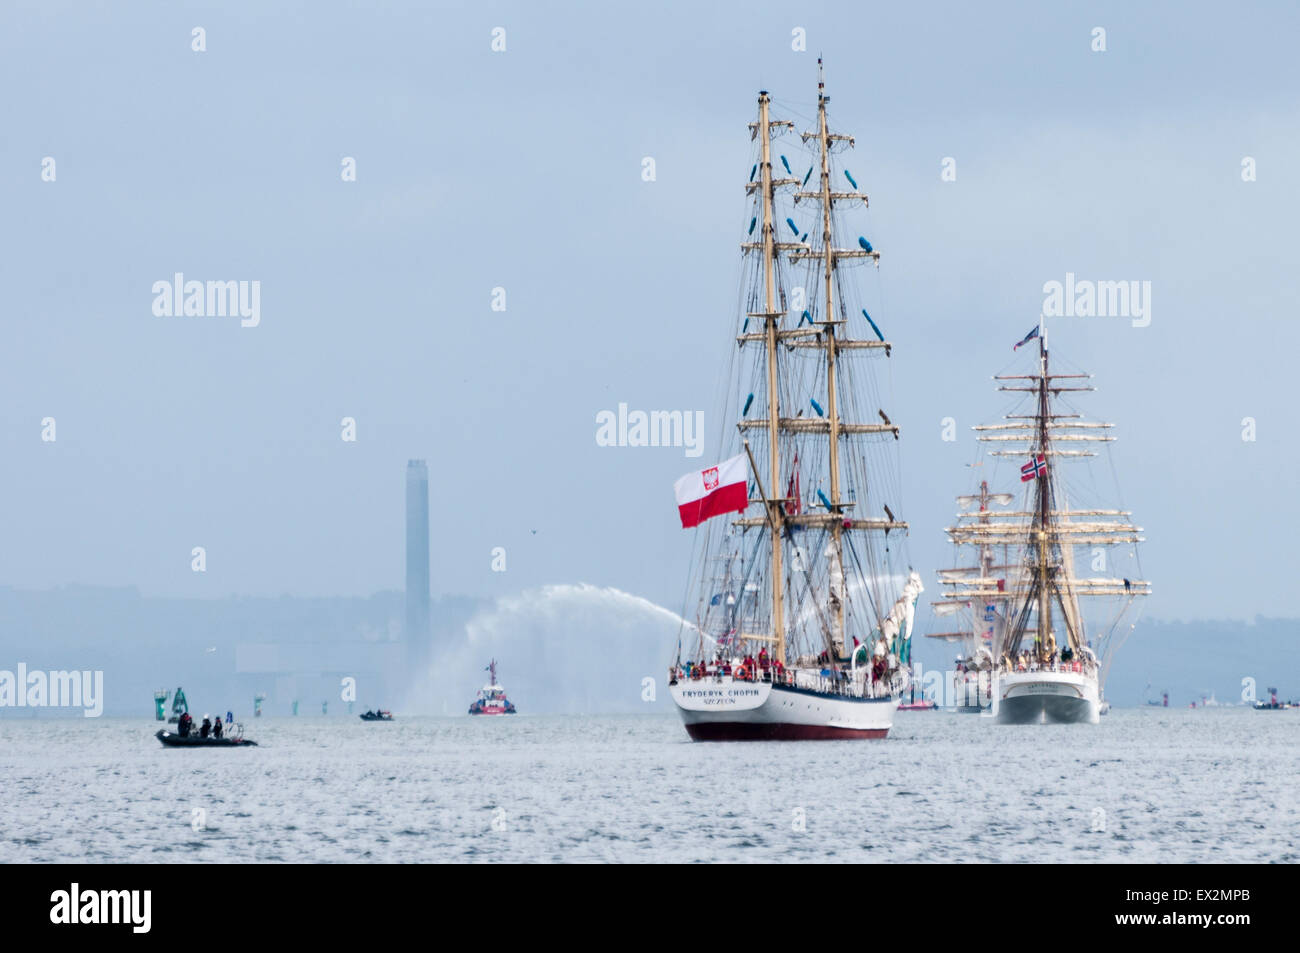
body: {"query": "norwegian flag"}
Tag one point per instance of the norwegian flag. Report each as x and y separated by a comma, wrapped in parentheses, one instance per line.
(1034, 468)
(1028, 337)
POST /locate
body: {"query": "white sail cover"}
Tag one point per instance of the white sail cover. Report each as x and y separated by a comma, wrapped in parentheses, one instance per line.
(903, 613)
(837, 593)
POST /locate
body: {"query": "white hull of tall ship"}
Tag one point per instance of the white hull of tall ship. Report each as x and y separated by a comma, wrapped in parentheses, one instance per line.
(726, 709)
(1046, 697)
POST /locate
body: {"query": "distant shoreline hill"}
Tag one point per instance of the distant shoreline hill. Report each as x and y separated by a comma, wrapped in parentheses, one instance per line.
(221, 651)
(563, 648)
(1193, 660)
(559, 648)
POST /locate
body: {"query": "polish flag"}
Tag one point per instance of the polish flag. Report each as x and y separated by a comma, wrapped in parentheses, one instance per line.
(712, 492)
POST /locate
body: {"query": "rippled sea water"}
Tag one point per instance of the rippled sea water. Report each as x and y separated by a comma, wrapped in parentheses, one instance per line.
(1145, 785)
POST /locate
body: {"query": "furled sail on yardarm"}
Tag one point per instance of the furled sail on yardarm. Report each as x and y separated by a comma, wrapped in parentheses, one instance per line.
(1047, 632)
(806, 599)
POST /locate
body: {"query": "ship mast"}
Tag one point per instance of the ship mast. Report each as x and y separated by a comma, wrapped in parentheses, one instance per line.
(822, 336)
(776, 513)
(1046, 531)
(1044, 510)
(832, 408)
(966, 585)
(1053, 530)
(830, 340)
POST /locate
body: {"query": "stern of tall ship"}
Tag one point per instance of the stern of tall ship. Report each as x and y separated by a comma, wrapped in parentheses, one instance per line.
(1038, 698)
(727, 709)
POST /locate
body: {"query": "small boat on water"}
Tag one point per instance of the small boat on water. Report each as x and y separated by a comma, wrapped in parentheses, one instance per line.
(492, 697)
(379, 715)
(172, 740)
(1273, 704)
(924, 705)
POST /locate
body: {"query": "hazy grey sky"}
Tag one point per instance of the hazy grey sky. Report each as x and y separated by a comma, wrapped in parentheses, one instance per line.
(522, 169)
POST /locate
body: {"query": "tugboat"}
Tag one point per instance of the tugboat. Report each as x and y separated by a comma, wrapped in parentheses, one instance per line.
(380, 714)
(492, 697)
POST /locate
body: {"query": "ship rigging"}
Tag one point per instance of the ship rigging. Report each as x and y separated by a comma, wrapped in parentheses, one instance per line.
(810, 635)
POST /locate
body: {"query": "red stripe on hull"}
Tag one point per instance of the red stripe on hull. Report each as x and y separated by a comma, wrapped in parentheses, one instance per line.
(757, 731)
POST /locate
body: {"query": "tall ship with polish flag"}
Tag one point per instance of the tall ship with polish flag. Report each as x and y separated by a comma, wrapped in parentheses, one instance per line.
(805, 597)
(1059, 595)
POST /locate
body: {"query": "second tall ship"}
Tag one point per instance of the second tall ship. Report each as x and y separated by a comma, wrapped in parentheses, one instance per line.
(1046, 633)
(806, 600)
